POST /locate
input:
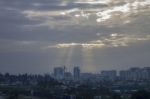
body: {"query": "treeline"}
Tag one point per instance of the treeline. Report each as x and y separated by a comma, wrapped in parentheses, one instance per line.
(81, 92)
(45, 87)
(23, 78)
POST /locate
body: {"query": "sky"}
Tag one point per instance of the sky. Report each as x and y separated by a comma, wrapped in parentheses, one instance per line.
(38, 35)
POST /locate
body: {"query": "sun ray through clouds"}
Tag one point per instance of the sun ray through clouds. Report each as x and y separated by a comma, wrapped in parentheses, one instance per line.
(62, 53)
(69, 56)
(87, 58)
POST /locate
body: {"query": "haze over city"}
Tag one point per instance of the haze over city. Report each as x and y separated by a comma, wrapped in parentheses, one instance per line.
(37, 35)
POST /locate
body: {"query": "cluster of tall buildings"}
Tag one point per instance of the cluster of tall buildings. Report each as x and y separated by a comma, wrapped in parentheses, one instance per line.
(61, 73)
(134, 74)
(109, 74)
(131, 74)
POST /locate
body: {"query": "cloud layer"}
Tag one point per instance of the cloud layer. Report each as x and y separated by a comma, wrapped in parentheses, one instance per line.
(73, 32)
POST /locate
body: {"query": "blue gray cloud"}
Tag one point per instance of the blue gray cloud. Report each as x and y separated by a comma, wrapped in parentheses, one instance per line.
(36, 35)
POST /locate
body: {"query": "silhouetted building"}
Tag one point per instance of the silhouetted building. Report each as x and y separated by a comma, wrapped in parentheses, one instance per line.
(68, 75)
(59, 72)
(135, 74)
(76, 73)
(110, 74)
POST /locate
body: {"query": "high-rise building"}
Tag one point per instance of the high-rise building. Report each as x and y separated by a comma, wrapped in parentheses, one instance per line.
(135, 74)
(110, 74)
(76, 73)
(59, 72)
(67, 76)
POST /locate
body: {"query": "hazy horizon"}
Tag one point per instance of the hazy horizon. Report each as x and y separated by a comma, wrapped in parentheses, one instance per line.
(37, 35)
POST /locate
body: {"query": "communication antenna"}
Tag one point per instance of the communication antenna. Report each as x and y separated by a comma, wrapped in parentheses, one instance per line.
(64, 68)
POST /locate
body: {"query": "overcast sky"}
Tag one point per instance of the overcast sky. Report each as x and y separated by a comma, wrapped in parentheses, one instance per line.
(38, 35)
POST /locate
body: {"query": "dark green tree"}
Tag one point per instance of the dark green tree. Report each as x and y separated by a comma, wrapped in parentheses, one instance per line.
(116, 96)
(13, 96)
(142, 94)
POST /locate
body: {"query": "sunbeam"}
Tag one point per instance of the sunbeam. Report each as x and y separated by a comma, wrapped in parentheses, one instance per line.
(87, 58)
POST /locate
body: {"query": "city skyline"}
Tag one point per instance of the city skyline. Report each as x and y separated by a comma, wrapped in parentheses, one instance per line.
(37, 35)
(131, 74)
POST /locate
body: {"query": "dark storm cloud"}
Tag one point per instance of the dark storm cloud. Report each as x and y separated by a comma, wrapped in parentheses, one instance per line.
(13, 22)
(45, 4)
(30, 4)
